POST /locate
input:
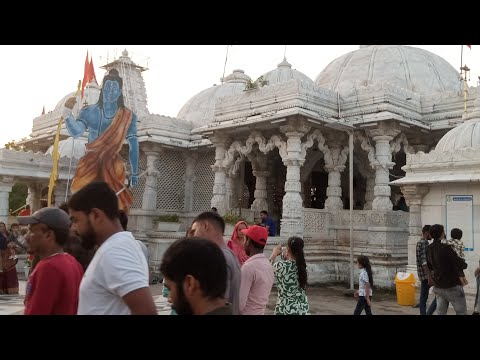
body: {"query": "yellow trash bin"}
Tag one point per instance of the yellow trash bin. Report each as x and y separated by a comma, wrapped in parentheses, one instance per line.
(405, 284)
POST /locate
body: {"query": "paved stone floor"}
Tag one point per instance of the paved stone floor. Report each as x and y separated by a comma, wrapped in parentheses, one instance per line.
(325, 300)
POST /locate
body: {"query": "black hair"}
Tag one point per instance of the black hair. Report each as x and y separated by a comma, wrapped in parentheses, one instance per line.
(213, 218)
(365, 262)
(61, 235)
(264, 212)
(200, 258)
(456, 233)
(96, 195)
(27, 206)
(123, 219)
(296, 244)
(436, 231)
(64, 206)
(425, 229)
(214, 209)
(114, 76)
(255, 244)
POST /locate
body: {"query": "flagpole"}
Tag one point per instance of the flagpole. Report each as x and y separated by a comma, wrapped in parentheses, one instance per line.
(73, 145)
(461, 61)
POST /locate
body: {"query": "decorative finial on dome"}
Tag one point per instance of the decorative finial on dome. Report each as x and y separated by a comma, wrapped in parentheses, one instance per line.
(237, 76)
(284, 63)
(125, 53)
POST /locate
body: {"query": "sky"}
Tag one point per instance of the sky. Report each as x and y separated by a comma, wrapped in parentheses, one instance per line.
(34, 76)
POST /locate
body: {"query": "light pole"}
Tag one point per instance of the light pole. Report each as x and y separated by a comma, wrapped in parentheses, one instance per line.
(349, 129)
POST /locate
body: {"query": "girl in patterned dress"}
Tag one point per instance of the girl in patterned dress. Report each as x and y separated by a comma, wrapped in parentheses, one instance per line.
(291, 279)
(365, 284)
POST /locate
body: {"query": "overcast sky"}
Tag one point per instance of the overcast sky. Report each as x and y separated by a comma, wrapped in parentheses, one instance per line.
(34, 76)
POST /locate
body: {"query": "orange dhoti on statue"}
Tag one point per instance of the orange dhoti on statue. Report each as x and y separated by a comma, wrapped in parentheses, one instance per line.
(102, 161)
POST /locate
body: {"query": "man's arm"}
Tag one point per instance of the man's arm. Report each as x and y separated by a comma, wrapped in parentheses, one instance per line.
(133, 144)
(75, 128)
(140, 302)
(245, 286)
(126, 274)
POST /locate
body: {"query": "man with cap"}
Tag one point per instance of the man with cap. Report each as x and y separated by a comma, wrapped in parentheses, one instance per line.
(53, 286)
(257, 273)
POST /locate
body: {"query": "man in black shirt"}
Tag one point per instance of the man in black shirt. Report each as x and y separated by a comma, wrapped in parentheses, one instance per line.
(446, 268)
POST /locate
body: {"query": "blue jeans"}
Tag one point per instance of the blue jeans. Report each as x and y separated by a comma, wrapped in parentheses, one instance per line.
(424, 297)
(362, 304)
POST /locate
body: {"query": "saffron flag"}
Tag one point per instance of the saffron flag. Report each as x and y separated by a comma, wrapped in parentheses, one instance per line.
(91, 72)
(55, 158)
(470, 47)
(86, 77)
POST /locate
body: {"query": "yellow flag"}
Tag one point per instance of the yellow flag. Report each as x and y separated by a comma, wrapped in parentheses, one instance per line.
(55, 158)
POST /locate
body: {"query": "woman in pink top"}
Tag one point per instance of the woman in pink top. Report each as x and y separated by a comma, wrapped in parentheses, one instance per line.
(236, 242)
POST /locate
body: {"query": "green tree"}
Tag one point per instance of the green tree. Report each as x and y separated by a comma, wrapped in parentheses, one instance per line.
(12, 145)
(18, 196)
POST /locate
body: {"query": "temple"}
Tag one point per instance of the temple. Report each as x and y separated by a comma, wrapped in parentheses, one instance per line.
(275, 144)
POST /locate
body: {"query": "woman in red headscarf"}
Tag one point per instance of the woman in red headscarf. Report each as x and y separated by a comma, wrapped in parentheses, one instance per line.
(236, 242)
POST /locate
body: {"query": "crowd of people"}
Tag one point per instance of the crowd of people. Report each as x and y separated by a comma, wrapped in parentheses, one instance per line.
(440, 267)
(86, 262)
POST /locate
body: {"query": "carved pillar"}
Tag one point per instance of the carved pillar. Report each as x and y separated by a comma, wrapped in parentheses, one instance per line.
(382, 164)
(231, 199)
(149, 200)
(414, 195)
(59, 193)
(259, 166)
(369, 191)
(270, 185)
(189, 179)
(334, 189)
(260, 203)
(292, 217)
(34, 196)
(219, 188)
(6, 184)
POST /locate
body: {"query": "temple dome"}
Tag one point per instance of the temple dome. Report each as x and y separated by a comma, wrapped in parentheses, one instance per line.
(466, 135)
(283, 73)
(200, 108)
(90, 96)
(408, 67)
(65, 148)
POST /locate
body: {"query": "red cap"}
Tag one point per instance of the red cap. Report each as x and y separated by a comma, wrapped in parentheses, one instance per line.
(257, 233)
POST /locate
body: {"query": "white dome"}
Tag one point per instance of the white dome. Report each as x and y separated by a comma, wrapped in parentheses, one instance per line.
(65, 148)
(408, 67)
(466, 135)
(283, 73)
(90, 96)
(200, 108)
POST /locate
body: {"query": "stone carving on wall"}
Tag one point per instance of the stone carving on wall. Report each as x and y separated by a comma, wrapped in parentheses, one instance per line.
(316, 221)
(396, 145)
(468, 154)
(365, 145)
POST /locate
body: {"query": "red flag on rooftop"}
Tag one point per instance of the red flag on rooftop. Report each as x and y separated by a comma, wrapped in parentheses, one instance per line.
(92, 71)
(43, 111)
(470, 47)
(86, 77)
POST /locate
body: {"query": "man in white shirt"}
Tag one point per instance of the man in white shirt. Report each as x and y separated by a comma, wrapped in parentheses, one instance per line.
(116, 281)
